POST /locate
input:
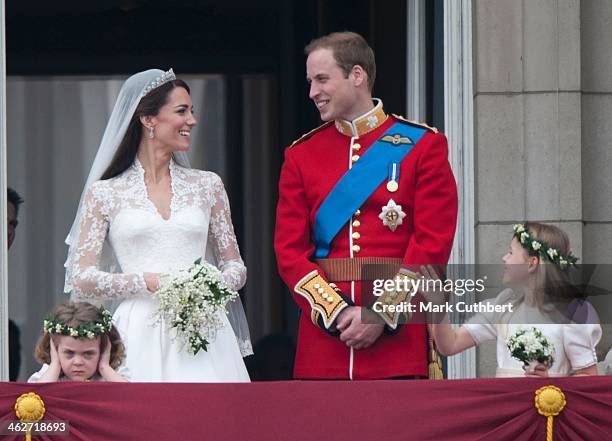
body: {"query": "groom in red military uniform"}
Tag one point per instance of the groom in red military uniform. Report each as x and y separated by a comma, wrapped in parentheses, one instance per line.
(364, 188)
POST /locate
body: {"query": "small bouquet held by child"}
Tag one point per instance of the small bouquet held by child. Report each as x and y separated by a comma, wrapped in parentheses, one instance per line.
(530, 347)
(191, 302)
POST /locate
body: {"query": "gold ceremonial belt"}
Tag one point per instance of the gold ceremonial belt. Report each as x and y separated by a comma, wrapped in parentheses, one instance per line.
(360, 268)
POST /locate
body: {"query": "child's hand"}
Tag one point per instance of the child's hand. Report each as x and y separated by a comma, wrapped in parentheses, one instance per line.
(431, 295)
(104, 368)
(104, 362)
(540, 371)
(54, 370)
(55, 361)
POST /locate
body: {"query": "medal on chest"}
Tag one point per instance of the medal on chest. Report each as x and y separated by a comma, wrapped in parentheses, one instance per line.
(392, 215)
(393, 178)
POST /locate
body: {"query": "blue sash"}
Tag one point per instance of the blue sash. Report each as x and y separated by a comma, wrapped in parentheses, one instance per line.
(359, 182)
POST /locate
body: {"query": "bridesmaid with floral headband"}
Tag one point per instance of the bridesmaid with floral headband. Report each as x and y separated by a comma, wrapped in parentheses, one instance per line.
(536, 268)
(79, 343)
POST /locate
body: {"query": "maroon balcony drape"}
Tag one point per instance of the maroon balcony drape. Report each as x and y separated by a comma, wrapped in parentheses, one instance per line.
(484, 409)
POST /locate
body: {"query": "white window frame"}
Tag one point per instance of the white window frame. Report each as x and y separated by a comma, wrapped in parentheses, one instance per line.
(458, 122)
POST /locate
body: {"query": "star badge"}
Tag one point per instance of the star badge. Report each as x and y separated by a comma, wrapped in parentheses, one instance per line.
(392, 215)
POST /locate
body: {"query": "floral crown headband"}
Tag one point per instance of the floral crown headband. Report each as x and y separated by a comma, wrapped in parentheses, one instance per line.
(539, 247)
(155, 83)
(88, 330)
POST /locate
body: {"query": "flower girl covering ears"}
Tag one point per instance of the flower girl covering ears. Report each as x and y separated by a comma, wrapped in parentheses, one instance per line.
(79, 343)
(536, 270)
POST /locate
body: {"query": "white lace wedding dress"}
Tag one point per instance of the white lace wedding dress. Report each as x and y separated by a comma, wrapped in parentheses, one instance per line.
(120, 211)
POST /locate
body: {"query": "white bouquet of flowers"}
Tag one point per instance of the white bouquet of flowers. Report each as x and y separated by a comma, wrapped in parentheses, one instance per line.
(530, 347)
(191, 303)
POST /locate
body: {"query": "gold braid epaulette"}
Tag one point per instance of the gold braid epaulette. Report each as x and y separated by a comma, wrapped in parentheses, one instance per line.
(305, 136)
(415, 123)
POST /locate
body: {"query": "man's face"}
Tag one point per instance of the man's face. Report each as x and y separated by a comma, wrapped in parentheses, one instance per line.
(334, 95)
(11, 222)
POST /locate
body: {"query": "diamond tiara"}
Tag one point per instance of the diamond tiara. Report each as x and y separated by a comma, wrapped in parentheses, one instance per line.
(162, 79)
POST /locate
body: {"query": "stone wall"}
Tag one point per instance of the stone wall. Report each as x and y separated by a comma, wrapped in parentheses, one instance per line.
(542, 126)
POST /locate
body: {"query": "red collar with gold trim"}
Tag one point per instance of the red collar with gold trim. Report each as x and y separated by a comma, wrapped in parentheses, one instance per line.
(364, 123)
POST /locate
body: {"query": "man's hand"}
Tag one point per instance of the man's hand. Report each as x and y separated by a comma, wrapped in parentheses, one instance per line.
(353, 332)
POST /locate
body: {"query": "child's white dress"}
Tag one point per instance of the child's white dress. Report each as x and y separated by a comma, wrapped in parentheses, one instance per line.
(574, 343)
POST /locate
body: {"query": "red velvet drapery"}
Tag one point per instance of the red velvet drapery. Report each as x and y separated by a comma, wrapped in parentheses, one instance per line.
(485, 409)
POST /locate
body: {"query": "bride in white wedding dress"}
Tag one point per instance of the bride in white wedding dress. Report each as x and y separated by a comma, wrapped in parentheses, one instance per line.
(146, 212)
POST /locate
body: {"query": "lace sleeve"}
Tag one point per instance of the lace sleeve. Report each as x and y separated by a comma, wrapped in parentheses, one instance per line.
(88, 280)
(223, 238)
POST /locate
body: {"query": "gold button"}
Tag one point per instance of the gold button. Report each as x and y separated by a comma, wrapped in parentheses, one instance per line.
(355, 158)
(356, 146)
(356, 224)
(356, 248)
(356, 235)
(358, 212)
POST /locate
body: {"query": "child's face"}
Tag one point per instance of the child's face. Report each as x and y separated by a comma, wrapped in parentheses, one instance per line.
(516, 263)
(78, 357)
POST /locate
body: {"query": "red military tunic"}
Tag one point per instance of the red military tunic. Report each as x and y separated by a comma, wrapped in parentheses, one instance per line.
(427, 194)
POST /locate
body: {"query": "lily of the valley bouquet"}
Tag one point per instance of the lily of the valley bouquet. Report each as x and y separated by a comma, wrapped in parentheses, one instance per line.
(530, 347)
(191, 301)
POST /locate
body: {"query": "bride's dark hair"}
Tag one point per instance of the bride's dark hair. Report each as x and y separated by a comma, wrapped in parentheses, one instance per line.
(149, 106)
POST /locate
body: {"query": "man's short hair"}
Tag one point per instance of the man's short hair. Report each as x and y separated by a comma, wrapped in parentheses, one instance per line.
(349, 49)
(13, 197)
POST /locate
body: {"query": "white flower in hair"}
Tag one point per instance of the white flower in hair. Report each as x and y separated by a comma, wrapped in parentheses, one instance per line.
(552, 253)
(519, 228)
(74, 332)
(536, 245)
(524, 237)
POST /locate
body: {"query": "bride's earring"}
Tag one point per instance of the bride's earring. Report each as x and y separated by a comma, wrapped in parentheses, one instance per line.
(151, 133)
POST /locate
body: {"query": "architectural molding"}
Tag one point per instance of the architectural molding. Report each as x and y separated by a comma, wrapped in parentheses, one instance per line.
(416, 90)
(459, 129)
(4, 366)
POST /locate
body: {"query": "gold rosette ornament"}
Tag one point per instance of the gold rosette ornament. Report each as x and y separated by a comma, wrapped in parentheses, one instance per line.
(550, 401)
(29, 408)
